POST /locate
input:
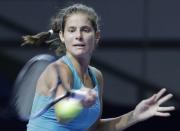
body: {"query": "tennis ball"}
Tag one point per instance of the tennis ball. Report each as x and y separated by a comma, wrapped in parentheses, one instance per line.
(67, 109)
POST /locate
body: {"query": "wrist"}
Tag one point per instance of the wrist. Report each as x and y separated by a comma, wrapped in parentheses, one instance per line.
(132, 118)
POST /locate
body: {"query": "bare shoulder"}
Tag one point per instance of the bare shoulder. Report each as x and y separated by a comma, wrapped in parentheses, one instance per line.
(58, 68)
(98, 73)
(44, 83)
(49, 78)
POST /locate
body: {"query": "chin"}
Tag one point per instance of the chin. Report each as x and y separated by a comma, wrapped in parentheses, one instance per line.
(81, 54)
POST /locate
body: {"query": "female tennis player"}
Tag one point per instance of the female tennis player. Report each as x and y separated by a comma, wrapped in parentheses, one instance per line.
(76, 32)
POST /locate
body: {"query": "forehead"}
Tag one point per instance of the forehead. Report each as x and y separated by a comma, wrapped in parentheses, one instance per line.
(78, 20)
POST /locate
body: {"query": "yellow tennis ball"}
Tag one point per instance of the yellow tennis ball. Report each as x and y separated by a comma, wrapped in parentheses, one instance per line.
(66, 110)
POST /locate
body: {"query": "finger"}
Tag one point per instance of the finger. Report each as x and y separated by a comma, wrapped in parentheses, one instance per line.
(160, 93)
(162, 114)
(151, 100)
(170, 108)
(164, 99)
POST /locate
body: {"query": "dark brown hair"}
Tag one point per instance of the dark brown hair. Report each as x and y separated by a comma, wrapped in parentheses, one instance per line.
(58, 23)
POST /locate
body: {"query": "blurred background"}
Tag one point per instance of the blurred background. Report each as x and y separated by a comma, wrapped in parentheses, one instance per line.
(139, 53)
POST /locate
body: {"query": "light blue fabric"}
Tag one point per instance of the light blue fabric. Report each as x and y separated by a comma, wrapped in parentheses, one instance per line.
(48, 121)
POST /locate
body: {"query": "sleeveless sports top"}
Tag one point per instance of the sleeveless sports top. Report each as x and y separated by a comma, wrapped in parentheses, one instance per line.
(48, 120)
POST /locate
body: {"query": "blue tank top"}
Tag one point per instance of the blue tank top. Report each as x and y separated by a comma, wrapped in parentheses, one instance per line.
(48, 120)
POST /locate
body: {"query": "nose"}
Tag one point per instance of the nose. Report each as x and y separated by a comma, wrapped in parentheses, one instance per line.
(79, 35)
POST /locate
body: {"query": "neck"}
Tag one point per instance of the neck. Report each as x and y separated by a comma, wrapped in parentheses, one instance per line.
(81, 63)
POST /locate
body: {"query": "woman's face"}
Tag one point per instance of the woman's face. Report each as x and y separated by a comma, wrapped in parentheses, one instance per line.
(79, 36)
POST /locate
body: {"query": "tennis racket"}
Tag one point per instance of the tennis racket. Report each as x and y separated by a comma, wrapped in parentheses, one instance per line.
(25, 84)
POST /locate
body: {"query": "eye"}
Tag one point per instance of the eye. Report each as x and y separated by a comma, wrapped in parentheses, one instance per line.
(71, 30)
(86, 29)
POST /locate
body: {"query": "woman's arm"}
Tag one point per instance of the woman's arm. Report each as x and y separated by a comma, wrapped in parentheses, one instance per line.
(144, 110)
(117, 123)
(48, 81)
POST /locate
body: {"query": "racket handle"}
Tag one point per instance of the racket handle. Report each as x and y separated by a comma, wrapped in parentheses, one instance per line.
(77, 95)
(39, 113)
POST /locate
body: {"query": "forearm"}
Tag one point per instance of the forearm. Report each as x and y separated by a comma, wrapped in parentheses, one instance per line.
(116, 124)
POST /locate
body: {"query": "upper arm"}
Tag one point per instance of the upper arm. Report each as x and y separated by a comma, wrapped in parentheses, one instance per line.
(55, 72)
(46, 81)
(65, 76)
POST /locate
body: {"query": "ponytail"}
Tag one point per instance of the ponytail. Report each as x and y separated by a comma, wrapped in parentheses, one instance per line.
(37, 39)
(44, 37)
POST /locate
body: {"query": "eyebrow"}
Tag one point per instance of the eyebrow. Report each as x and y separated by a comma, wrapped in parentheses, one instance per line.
(84, 26)
(71, 27)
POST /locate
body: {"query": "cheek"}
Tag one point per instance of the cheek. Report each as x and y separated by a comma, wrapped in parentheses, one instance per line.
(68, 40)
(92, 43)
(90, 39)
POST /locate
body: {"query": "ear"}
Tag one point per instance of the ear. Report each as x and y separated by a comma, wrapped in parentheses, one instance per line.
(61, 36)
(98, 36)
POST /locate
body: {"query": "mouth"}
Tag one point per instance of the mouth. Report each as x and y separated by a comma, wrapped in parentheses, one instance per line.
(79, 45)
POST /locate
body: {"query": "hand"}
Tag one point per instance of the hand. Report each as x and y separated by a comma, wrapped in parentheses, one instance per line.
(90, 97)
(151, 107)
